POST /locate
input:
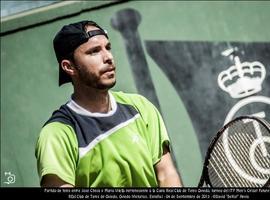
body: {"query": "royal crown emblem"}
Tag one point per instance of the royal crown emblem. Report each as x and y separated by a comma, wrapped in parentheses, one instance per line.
(241, 79)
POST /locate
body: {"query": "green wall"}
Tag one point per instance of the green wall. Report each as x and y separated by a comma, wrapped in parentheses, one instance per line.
(29, 70)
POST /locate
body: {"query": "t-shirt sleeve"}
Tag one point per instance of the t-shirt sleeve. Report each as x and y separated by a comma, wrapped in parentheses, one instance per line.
(57, 151)
(157, 132)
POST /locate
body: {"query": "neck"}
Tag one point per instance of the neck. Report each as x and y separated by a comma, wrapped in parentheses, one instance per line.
(93, 100)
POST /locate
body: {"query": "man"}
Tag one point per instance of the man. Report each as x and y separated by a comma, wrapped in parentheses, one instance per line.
(100, 138)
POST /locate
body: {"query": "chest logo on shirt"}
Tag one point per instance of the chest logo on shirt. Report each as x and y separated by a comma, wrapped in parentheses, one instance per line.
(135, 138)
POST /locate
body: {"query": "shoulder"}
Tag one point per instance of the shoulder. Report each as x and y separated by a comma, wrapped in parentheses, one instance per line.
(53, 126)
(57, 131)
(62, 115)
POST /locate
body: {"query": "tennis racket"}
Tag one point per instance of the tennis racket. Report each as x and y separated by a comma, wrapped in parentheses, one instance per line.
(239, 155)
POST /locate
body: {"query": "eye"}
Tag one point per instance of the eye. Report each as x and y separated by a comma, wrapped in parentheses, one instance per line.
(108, 47)
(93, 51)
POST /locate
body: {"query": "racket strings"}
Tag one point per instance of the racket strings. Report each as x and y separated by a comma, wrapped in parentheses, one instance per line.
(265, 123)
(246, 137)
(218, 174)
(241, 162)
(229, 173)
(226, 174)
(241, 157)
(261, 160)
(264, 161)
(221, 168)
(221, 171)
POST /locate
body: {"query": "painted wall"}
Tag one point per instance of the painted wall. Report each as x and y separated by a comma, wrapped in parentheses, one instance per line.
(171, 52)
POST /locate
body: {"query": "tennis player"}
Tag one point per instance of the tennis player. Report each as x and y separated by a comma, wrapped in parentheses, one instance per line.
(100, 137)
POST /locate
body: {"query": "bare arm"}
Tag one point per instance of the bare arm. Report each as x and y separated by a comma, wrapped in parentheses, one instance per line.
(51, 180)
(166, 173)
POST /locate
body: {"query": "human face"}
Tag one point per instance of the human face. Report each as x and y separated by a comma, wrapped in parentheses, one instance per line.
(94, 63)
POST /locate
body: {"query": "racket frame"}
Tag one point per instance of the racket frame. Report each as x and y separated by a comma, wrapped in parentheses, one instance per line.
(205, 176)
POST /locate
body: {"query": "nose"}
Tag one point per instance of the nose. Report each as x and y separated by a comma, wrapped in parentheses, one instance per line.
(107, 57)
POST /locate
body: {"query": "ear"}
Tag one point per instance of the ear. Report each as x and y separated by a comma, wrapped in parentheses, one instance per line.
(68, 67)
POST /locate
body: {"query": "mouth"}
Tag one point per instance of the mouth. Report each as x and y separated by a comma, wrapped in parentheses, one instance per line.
(109, 72)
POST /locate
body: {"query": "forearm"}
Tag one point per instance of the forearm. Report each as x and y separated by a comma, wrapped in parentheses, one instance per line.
(170, 179)
(166, 172)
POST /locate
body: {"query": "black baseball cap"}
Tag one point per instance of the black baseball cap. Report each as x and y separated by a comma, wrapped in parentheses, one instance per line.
(68, 39)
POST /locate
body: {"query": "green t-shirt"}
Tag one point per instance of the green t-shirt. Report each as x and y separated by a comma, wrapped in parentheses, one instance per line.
(115, 149)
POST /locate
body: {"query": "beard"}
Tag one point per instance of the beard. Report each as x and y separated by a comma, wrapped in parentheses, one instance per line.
(95, 81)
